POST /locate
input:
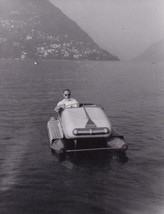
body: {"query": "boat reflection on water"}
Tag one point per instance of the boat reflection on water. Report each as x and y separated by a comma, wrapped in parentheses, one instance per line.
(98, 158)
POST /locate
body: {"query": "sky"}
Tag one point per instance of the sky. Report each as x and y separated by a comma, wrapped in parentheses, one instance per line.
(125, 28)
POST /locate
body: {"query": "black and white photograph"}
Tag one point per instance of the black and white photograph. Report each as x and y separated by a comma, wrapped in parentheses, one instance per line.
(81, 107)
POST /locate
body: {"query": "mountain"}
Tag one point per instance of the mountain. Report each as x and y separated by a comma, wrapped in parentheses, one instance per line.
(154, 53)
(37, 29)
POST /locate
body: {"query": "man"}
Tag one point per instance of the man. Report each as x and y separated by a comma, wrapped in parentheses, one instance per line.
(67, 102)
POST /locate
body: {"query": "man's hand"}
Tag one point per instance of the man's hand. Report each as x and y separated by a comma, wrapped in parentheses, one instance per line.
(62, 106)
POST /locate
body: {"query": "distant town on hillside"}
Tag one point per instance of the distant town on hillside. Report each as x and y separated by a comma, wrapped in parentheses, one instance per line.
(39, 30)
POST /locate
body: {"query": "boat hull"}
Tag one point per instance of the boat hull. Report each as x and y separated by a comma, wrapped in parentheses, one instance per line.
(78, 129)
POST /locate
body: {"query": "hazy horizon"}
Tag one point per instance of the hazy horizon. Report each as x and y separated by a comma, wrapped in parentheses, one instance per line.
(124, 28)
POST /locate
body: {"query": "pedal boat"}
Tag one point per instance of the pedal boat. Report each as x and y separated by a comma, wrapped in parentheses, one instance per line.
(84, 128)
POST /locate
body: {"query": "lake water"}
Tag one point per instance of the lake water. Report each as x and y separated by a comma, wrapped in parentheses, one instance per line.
(33, 181)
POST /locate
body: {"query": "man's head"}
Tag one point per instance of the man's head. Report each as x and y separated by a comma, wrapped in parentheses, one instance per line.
(66, 93)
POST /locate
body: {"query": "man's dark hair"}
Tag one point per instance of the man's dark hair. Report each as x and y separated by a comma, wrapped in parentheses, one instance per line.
(66, 90)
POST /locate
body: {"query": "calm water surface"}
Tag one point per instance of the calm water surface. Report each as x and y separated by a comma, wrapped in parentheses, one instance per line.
(33, 181)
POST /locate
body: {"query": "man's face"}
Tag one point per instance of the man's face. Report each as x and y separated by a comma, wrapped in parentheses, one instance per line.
(66, 94)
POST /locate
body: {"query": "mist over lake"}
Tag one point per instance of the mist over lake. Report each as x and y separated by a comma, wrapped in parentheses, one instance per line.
(33, 181)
